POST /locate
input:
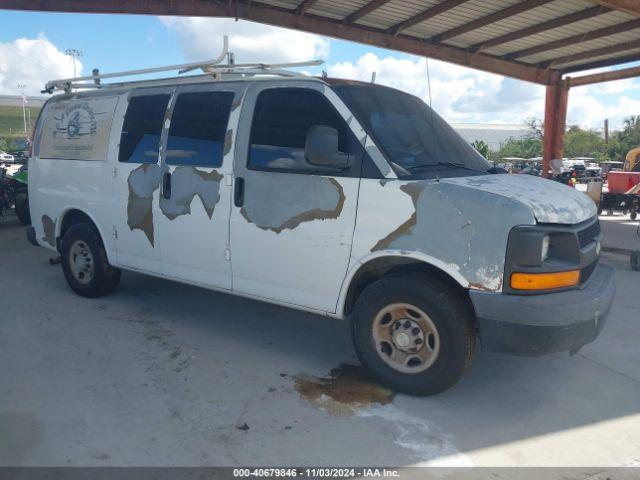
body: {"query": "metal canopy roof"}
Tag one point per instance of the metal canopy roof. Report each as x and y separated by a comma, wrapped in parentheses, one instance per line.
(534, 40)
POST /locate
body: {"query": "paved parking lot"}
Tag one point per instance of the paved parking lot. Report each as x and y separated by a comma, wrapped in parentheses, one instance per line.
(166, 374)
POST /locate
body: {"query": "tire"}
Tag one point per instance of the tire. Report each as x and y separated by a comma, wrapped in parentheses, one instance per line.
(633, 215)
(599, 210)
(452, 346)
(22, 208)
(635, 260)
(85, 264)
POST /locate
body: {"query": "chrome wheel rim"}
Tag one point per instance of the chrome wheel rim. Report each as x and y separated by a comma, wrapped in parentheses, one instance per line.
(81, 262)
(406, 338)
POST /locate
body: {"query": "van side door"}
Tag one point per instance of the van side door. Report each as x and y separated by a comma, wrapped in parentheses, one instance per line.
(292, 222)
(136, 178)
(195, 192)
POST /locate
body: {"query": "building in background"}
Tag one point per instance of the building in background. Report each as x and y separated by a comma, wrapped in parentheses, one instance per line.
(492, 134)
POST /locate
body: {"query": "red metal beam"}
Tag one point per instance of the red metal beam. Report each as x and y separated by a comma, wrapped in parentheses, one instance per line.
(629, 6)
(489, 19)
(602, 63)
(610, 76)
(575, 39)
(281, 17)
(555, 119)
(426, 15)
(589, 54)
(367, 9)
(542, 27)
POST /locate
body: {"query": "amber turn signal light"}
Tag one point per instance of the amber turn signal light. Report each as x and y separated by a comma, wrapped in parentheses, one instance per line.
(544, 281)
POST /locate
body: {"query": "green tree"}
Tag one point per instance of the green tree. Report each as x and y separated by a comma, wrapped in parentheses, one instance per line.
(527, 146)
(5, 144)
(482, 147)
(624, 140)
(584, 143)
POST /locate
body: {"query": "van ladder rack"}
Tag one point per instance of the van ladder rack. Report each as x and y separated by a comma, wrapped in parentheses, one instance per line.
(209, 67)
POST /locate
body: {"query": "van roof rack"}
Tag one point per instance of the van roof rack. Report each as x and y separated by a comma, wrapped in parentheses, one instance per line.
(213, 68)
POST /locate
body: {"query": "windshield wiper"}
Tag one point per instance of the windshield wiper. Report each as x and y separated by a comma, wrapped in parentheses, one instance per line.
(443, 164)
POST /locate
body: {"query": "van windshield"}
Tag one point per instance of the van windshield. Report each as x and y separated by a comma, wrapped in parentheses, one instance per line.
(417, 141)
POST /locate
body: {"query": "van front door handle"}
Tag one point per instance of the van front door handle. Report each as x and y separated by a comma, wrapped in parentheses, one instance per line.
(166, 185)
(238, 192)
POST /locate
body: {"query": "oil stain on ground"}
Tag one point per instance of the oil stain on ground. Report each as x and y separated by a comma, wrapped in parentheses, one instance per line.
(346, 389)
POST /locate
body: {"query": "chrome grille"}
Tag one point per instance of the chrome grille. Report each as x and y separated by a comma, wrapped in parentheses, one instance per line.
(588, 234)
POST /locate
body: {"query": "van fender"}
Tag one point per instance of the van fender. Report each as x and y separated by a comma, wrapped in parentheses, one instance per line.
(452, 270)
(108, 246)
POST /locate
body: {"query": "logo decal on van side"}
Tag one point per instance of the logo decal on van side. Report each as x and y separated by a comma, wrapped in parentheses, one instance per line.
(77, 129)
(76, 121)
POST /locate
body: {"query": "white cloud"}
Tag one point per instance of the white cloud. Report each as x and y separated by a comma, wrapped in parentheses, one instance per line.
(32, 62)
(459, 94)
(465, 95)
(201, 39)
(586, 109)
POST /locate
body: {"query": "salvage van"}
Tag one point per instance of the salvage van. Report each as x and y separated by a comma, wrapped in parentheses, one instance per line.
(347, 199)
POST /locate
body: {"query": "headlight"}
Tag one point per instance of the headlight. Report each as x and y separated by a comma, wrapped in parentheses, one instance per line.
(544, 253)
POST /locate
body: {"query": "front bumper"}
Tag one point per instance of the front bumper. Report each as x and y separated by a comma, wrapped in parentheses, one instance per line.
(546, 323)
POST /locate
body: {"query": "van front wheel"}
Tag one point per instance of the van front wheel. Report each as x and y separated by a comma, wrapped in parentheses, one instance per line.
(85, 264)
(413, 333)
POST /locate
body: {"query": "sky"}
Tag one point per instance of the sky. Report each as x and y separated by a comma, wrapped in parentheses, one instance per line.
(32, 49)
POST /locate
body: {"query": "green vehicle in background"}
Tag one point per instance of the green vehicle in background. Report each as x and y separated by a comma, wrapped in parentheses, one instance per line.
(14, 193)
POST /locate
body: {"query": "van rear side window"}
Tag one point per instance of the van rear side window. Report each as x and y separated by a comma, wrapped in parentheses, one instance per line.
(198, 128)
(140, 138)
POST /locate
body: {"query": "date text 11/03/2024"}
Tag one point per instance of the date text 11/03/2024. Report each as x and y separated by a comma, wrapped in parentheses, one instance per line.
(316, 472)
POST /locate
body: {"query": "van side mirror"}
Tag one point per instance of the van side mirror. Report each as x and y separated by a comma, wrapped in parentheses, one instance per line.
(321, 148)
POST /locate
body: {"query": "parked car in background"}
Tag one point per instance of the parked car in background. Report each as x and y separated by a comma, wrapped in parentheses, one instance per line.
(6, 157)
(20, 157)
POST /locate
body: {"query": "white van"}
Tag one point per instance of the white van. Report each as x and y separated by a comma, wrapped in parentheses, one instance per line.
(347, 199)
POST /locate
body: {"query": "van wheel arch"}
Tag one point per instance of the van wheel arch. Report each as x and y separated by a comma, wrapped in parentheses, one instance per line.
(73, 217)
(392, 265)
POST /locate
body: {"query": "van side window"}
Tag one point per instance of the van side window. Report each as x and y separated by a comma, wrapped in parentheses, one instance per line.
(140, 138)
(198, 128)
(281, 121)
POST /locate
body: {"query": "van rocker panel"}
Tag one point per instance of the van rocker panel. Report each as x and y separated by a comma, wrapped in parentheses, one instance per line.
(547, 323)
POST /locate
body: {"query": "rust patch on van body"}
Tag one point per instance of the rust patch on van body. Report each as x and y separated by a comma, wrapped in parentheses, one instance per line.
(142, 181)
(346, 389)
(413, 190)
(237, 101)
(228, 142)
(187, 183)
(49, 228)
(292, 203)
(464, 228)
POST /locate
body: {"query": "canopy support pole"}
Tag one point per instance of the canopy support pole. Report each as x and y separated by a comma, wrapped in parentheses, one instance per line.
(555, 119)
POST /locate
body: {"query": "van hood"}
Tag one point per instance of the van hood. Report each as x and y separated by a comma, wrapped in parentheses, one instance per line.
(550, 201)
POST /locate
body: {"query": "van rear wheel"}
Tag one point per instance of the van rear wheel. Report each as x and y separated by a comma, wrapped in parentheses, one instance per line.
(413, 333)
(85, 264)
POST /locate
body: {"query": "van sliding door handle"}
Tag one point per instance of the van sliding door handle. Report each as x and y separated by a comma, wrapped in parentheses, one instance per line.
(166, 185)
(238, 192)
